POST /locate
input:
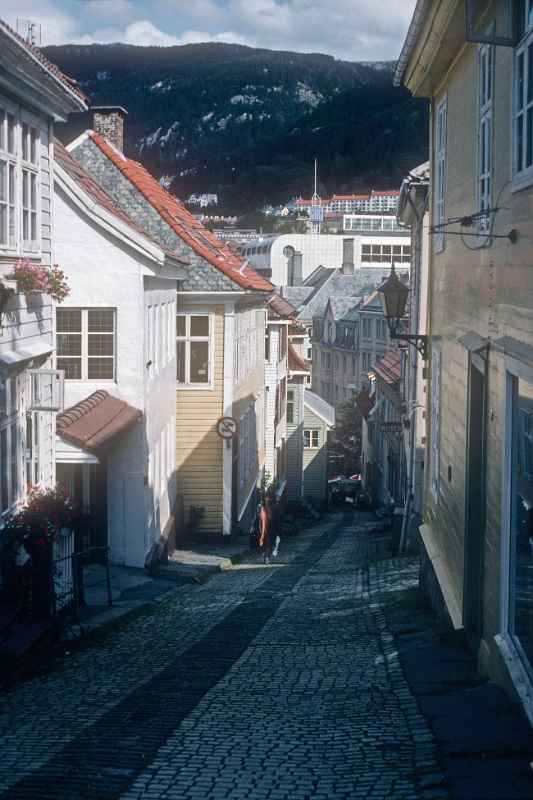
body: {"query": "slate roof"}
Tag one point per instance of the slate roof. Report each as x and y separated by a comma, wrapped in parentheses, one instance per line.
(52, 69)
(339, 286)
(75, 171)
(341, 306)
(319, 407)
(182, 222)
(389, 367)
(96, 421)
(297, 295)
(296, 362)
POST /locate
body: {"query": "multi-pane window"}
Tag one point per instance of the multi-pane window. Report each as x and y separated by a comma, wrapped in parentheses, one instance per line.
(30, 180)
(367, 328)
(290, 406)
(86, 343)
(485, 81)
(10, 442)
(386, 253)
(19, 182)
(440, 173)
(193, 349)
(523, 133)
(8, 173)
(311, 439)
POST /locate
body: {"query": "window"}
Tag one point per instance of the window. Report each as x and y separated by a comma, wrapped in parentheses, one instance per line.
(440, 173)
(386, 254)
(290, 406)
(311, 439)
(10, 442)
(8, 180)
(484, 156)
(86, 343)
(521, 517)
(193, 343)
(435, 421)
(267, 345)
(365, 361)
(246, 347)
(381, 325)
(367, 328)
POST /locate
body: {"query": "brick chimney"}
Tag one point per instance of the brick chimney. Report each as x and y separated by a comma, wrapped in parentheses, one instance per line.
(348, 265)
(108, 121)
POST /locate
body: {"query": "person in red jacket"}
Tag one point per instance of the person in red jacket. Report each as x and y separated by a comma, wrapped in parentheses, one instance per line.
(265, 529)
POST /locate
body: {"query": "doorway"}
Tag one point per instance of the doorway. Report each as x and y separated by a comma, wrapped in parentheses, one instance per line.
(475, 496)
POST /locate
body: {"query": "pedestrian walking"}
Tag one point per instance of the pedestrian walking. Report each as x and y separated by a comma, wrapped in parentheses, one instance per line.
(265, 529)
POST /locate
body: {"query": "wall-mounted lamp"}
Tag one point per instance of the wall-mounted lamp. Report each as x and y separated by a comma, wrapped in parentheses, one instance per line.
(393, 294)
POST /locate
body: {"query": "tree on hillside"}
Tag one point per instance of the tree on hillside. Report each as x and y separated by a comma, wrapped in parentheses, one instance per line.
(345, 440)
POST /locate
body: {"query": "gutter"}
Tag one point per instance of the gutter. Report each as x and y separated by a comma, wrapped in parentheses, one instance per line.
(417, 21)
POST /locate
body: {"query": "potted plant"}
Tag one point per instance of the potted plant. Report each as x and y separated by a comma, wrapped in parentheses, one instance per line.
(36, 278)
(30, 535)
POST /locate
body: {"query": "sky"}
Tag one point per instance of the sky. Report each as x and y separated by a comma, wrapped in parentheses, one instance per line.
(354, 30)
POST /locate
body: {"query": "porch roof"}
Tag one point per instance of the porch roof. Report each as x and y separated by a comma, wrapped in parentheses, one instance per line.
(95, 422)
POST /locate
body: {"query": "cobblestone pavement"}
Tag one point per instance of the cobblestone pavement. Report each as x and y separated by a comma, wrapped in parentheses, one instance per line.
(276, 683)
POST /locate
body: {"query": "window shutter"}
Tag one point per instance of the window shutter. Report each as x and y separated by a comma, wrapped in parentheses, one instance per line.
(46, 389)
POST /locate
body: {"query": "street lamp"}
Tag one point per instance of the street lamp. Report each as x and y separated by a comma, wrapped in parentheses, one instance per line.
(393, 294)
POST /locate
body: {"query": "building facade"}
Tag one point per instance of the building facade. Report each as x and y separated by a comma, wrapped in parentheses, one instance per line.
(478, 527)
(30, 390)
(220, 331)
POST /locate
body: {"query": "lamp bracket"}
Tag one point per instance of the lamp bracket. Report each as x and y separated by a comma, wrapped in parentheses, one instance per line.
(419, 342)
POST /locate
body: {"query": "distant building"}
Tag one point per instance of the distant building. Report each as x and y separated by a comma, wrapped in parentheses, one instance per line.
(203, 200)
(236, 234)
(354, 203)
(371, 223)
(289, 259)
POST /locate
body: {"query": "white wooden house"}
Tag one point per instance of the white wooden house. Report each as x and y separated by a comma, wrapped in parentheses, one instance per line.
(280, 316)
(34, 95)
(116, 443)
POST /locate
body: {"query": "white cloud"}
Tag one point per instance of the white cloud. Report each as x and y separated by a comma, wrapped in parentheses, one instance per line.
(350, 29)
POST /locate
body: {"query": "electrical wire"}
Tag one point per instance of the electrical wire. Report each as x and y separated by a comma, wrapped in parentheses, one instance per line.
(488, 237)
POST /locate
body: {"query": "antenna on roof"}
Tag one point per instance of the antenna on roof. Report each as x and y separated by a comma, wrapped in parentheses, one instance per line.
(316, 210)
(29, 31)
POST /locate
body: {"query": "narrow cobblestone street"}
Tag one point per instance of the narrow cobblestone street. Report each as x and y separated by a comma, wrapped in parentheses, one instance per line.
(266, 682)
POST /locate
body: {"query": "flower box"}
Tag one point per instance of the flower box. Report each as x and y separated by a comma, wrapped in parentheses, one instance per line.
(34, 278)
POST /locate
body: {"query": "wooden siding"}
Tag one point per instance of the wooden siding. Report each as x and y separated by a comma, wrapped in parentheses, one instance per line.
(199, 450)
(315, 462)
(295, 444)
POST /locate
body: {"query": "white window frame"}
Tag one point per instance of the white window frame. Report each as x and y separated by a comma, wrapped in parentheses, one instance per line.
(313, 436)
(12, 161)
(187, 338)
(12, 422)
(31, 169)
(486, 71)
(513, 654)
(85, 358)
(439, 192)
(522, 175)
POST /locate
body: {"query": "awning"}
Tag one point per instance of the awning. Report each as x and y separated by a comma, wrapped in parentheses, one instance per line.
(97, 422)
(26, 352)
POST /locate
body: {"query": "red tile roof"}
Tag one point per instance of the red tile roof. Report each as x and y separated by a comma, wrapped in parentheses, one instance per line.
(67, 83)
(182, 222)
(97, 193)
(279, 308)
(389, 367)
(96, 421)
(296, 362)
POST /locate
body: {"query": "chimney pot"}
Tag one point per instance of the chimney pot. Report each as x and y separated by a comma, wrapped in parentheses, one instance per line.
(108, 121)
